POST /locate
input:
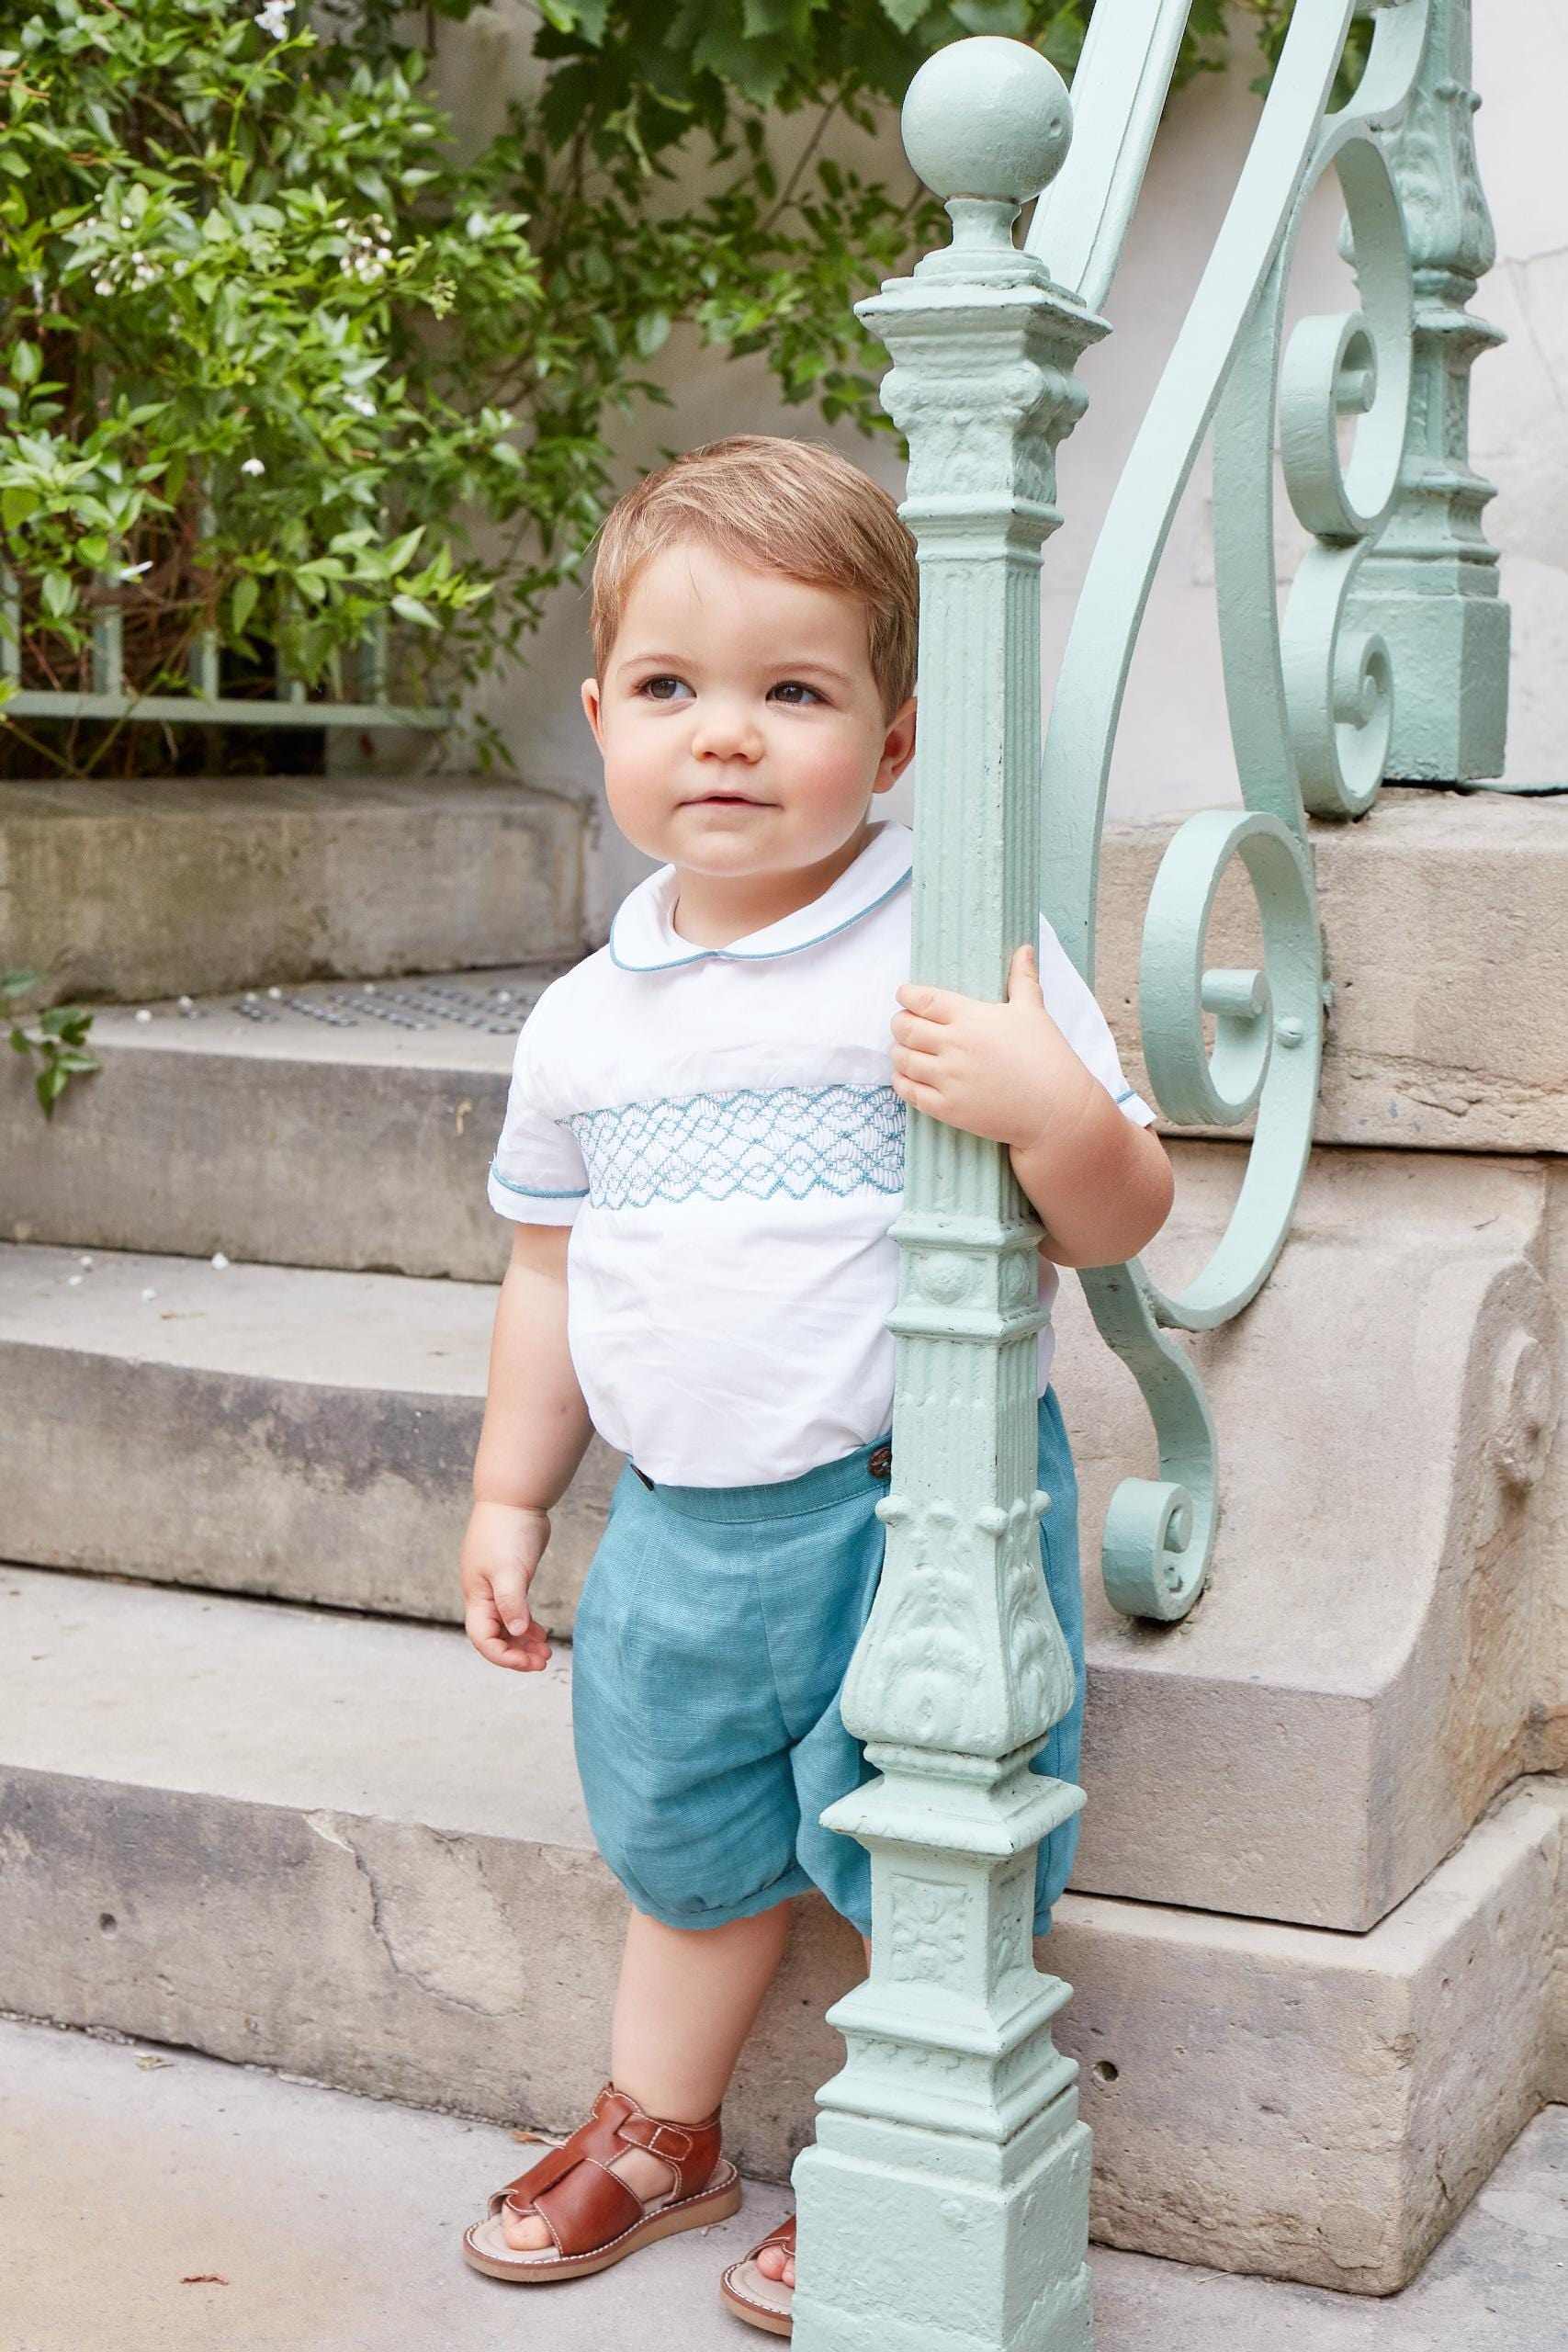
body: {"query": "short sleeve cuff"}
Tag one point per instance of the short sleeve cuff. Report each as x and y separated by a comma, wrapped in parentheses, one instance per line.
(1132, 1106)
(525, 1205)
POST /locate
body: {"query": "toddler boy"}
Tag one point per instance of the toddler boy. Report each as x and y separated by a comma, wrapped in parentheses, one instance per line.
(702, 1156)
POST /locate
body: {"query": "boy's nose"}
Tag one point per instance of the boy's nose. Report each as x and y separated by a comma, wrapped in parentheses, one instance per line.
(726, 733)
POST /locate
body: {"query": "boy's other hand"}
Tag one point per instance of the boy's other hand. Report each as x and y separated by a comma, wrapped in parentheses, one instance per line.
(501, 1552)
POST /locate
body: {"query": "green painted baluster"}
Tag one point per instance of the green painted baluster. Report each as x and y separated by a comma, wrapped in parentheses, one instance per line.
(205, 666)
(1430, 586)
(10, 629)
(945, 2202)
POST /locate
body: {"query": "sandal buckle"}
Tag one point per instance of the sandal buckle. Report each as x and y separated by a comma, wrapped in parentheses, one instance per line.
(669, 2140)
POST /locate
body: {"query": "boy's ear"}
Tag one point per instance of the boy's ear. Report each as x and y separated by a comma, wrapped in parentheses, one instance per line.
(898, 748)
(591, 709)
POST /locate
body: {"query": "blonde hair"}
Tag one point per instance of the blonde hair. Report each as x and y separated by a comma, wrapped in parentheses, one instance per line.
(795, 508)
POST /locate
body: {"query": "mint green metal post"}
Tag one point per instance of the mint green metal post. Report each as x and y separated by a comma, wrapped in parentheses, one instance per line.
(1430, 586)
(946, 2200)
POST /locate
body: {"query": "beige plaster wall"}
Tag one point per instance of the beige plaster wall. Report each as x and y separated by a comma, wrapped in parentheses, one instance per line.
(1173, 752)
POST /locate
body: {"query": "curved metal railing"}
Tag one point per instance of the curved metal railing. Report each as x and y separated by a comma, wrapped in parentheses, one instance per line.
(1309, 694)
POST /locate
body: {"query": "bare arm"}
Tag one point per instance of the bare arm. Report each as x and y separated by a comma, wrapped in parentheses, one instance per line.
(1100, 1185)
(536, 1432)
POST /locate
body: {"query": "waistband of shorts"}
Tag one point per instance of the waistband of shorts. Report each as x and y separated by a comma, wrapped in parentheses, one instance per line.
(847, 1480)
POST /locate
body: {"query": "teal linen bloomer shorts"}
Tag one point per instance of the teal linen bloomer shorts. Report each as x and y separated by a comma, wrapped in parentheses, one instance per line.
(715, 1632)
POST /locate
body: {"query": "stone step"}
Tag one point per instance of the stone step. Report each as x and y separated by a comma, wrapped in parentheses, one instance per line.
(239, 2173)
(206, 1130)
(323, 1124)
(255, 1428)
(1442, 915)
(1366, 1671)
(348, 1849)
(163, 888)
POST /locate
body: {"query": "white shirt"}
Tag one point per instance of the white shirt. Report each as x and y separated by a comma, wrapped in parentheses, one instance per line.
(718, 1127)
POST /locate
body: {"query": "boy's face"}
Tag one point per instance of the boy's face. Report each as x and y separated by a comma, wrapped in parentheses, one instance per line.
(742, 728)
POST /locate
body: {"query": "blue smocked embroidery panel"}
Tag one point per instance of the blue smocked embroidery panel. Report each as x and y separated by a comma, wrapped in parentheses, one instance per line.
(751, 1143)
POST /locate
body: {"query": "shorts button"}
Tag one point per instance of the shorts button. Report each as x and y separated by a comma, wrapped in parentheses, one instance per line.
(880, 1463)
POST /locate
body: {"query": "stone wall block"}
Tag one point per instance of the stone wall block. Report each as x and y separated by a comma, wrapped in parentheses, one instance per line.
(1447, 956)
(159, 888)
(1358, 1679)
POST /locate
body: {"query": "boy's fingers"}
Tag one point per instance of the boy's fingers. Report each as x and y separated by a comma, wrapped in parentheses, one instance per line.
(1023, 979)
(932, 1004)
(526, 1656)
(924, 1097)
(926, 1037)
(512, 1608)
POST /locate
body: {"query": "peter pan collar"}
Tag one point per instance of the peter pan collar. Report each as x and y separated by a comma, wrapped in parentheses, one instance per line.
(643, 939)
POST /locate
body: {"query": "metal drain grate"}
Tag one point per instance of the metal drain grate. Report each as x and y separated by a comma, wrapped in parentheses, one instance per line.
(416, 1004)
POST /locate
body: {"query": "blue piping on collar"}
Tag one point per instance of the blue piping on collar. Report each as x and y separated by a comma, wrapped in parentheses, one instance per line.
(758, 956)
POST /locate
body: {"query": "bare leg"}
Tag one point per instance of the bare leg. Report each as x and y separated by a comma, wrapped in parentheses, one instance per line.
(686, 2002)
(774, 2262)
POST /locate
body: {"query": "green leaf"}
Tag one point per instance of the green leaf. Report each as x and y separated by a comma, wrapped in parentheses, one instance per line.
(15, 504)
(27, 360)
(57, 594)
(243, 602)
(13, 984)
(652, 333)
(409, 608)
(397, 556)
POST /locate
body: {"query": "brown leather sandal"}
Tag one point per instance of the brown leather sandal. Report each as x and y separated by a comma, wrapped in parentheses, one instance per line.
(593, 2216)
(752, 2296)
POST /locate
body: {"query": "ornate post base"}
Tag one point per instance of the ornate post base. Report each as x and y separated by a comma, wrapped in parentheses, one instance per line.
(949, 2173)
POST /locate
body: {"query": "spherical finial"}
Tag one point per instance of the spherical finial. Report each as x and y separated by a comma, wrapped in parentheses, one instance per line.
(987, 118)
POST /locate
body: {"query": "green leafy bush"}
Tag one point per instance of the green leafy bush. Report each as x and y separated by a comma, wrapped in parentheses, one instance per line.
(278, 369)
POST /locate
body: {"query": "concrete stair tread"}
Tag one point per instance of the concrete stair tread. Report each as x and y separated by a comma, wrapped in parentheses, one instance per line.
(264, 1323)
(376, 1332)
(236, 2171)
(459, 1020)
(269, 1704)
(308, 1434)
(292, 1432)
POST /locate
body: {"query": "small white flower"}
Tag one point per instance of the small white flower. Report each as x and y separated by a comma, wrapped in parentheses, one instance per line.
(361, 403)
(84, 1262)
(277, 995)
(274, 18)
(149, 1294)
(135, 571)
(218, 1260)
(253, 466)
(144, 1015)
(370, 249)
(186, 1004)
(73, 1281)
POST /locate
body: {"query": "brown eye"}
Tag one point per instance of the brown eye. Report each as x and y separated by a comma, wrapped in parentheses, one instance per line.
(789, 688)
(660, 689)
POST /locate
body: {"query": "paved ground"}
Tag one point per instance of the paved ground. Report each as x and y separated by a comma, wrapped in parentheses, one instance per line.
(130, 2174)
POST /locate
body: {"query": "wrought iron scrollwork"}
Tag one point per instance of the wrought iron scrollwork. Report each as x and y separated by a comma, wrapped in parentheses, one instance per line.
(1310, 695)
